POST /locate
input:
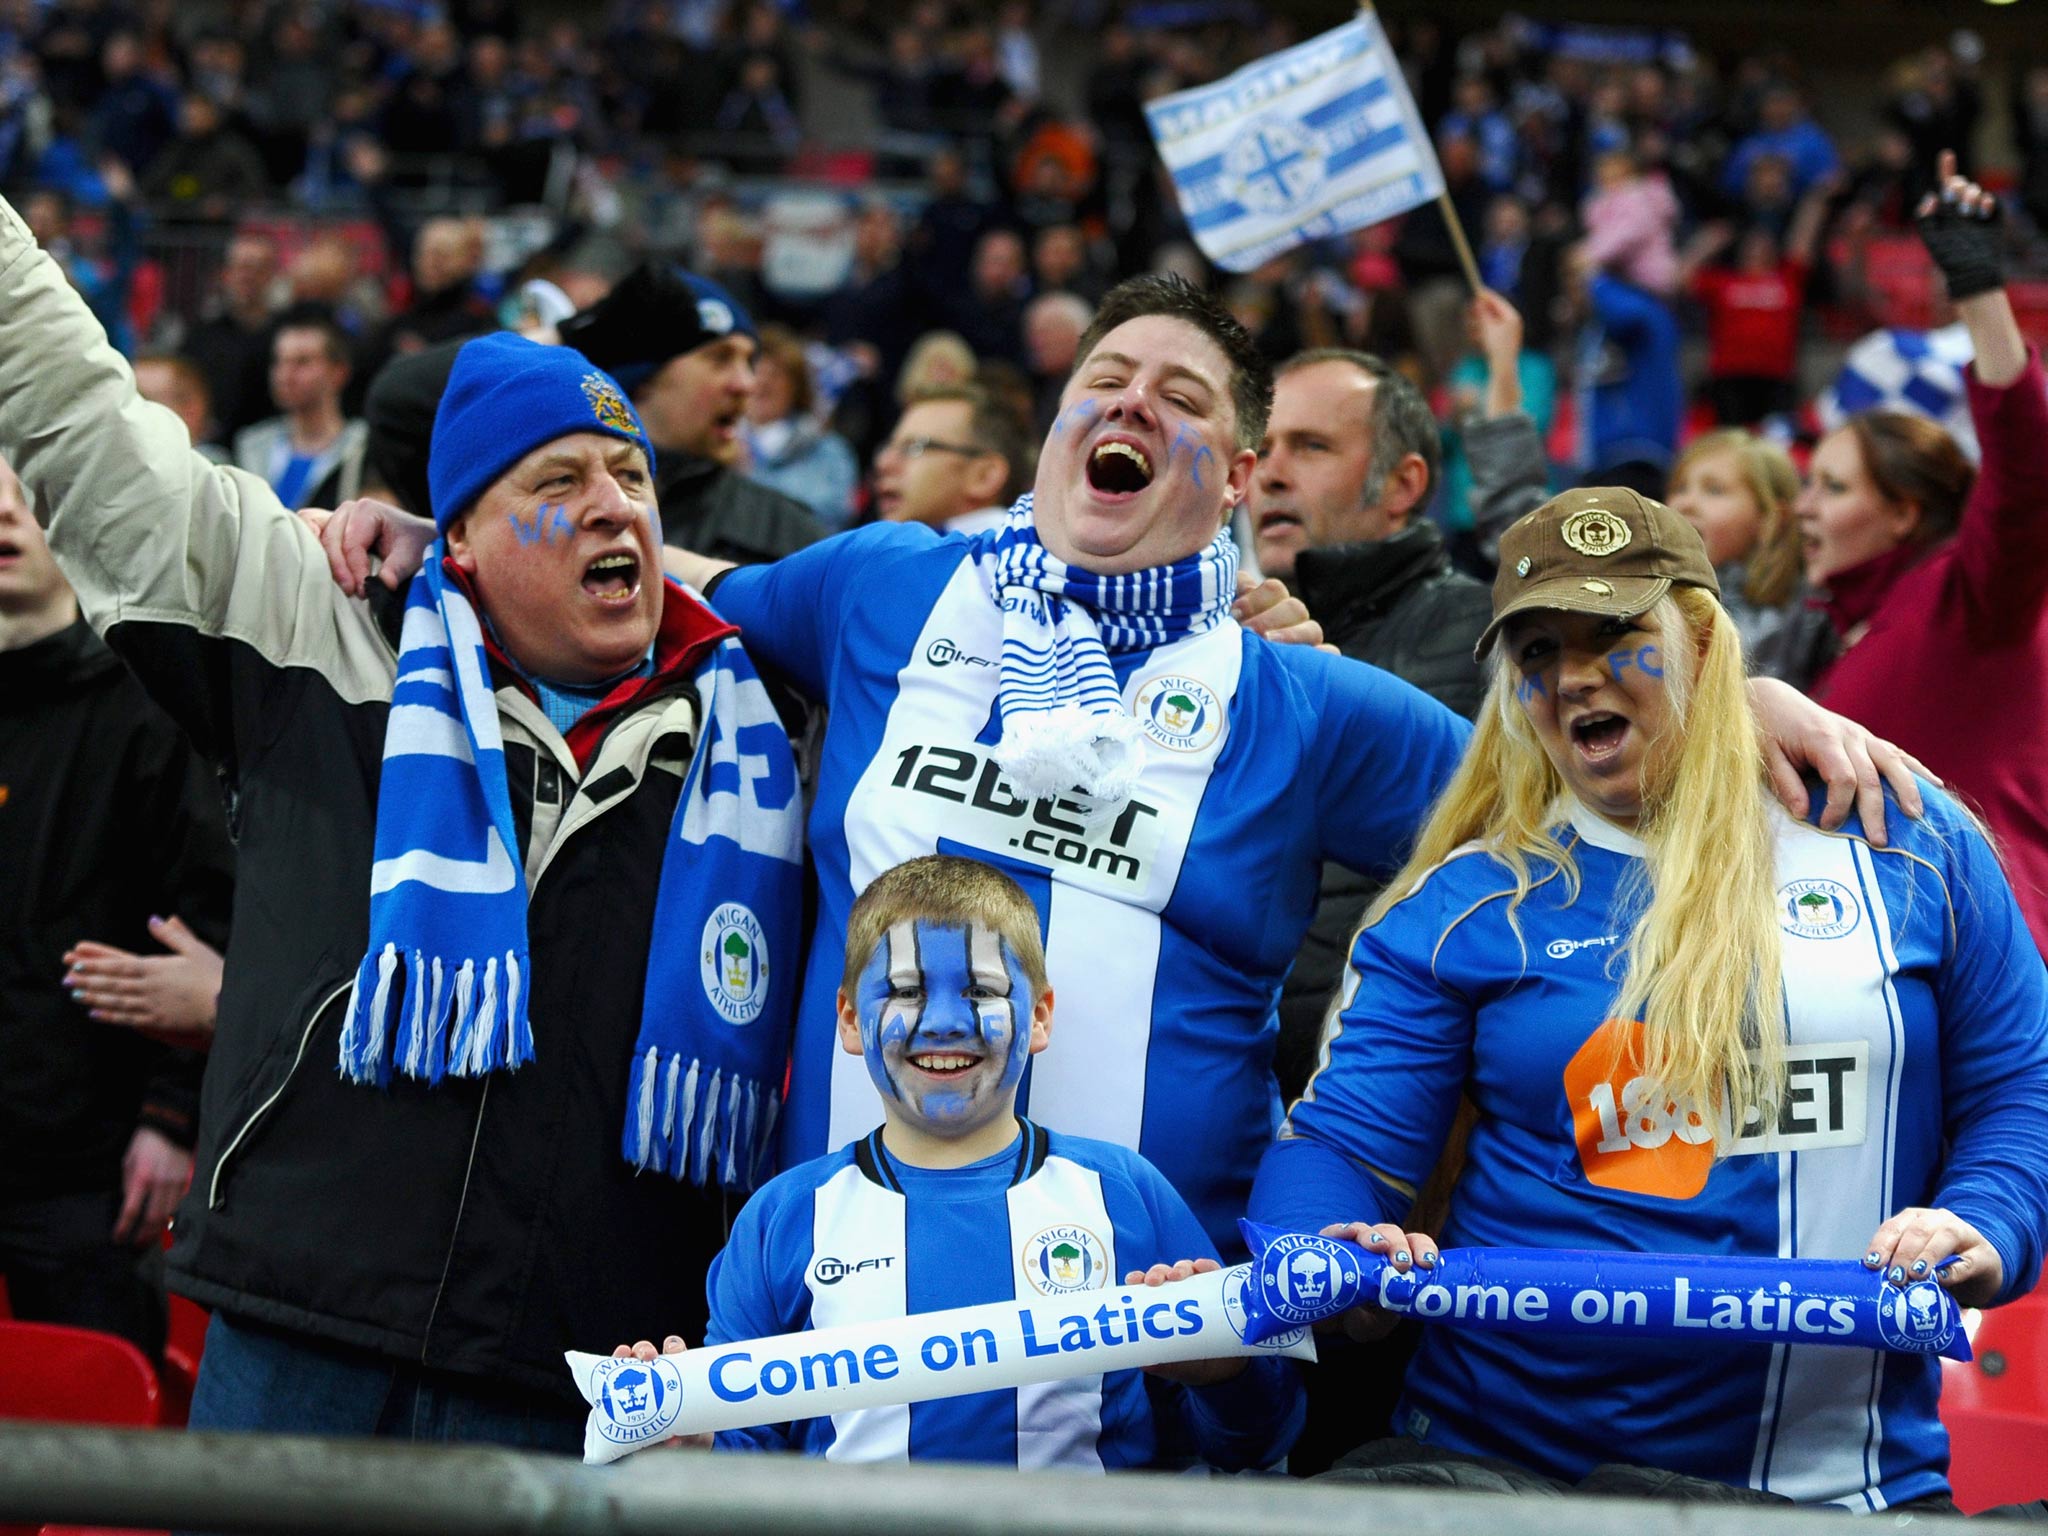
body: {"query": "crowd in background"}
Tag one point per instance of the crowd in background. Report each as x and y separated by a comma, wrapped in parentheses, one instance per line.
(866, 178)
(842, 260)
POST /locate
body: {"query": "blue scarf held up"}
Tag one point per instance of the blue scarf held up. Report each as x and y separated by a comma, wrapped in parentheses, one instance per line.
(1065, 728)
(443, 990)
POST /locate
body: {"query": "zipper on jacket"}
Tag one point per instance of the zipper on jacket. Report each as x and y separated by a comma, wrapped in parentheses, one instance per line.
(476, 1135)
(221, 1163)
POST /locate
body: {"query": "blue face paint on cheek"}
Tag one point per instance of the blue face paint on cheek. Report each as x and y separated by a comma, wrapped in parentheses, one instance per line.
(1198, 451)
(1650, 661)
(550, 521)
(1531, 688)
(1079, 414)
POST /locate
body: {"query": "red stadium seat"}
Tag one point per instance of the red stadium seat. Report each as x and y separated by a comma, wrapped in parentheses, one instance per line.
(1996, 1409)
(74, 1376)
(184, 1343)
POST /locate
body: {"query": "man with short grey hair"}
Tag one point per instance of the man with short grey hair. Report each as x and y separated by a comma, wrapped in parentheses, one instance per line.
(1338, 507)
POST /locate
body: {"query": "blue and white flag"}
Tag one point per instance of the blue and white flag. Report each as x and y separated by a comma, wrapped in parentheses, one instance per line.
(1918, 372)
(1306, 144)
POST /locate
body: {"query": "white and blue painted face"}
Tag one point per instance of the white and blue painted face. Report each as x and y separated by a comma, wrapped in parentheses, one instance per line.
(945, 1024)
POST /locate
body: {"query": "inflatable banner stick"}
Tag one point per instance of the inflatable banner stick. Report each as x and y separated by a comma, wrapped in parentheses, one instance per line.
(1301, 1278)
(638, 1403)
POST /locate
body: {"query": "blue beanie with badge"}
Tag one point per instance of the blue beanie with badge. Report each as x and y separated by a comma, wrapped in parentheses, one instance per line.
(507, 396)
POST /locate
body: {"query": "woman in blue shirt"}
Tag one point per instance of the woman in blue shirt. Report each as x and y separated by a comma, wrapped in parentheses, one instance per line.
(1686, 1023)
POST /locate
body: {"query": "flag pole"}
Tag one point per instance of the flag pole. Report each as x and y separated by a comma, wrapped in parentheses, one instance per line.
(1464, 246)
(1449, 210)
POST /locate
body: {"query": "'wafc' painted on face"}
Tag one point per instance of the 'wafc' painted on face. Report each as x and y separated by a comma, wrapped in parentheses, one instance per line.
(1646, 659)
(1187, 442)
(945, 1023)
(548, 523)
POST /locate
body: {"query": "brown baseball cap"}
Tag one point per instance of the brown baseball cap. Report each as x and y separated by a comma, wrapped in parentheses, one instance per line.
(1603, 549)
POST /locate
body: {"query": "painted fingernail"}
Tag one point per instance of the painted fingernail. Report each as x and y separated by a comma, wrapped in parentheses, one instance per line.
(1427, 1261)
(1919, 1266)
(1401, 1257)
(1374, 1237)
(1898, 1275)
(1872, 1257)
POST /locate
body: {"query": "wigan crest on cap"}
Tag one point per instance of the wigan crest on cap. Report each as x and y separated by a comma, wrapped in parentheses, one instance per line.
(1596, 532)
(607, 404)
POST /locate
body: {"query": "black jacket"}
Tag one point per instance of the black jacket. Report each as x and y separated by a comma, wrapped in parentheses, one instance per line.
(106, 818)
(479, 1227)
(720, 513)
(1399, 605)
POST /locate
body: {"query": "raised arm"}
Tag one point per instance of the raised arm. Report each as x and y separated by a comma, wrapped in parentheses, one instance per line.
(2002, 544)
(149, 533)
(1510, 473)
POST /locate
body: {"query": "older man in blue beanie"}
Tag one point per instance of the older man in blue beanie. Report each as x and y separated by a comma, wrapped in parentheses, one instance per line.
(487, 828)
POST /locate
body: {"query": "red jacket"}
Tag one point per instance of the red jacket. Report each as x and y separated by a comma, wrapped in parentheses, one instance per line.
(1954, 664)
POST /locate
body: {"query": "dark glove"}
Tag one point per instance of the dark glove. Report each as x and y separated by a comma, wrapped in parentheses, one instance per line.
(1966, 246)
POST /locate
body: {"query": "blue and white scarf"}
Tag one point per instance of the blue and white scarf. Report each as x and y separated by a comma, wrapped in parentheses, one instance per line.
(1065, 728)
(443, 989)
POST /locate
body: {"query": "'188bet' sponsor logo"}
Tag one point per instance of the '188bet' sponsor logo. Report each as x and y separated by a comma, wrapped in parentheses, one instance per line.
(637, 1400)
(1179, 714)
(1063, 1259)
(735, 963)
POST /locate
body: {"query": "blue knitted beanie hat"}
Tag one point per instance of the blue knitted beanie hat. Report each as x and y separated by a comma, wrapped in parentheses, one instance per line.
(506, 397)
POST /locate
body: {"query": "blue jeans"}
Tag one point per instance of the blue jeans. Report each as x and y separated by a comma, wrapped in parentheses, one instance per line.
(254, 1377)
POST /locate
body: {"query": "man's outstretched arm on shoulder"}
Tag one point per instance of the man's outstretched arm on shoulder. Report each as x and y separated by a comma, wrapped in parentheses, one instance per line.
(148, 532)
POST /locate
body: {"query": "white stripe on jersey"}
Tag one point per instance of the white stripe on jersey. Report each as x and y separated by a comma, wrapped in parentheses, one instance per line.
(1111, 878)
(853, 1218)
(1817, 1440)
(1059, 1423)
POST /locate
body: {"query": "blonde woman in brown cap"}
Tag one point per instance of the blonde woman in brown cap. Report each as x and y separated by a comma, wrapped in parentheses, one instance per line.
(1684, 1022)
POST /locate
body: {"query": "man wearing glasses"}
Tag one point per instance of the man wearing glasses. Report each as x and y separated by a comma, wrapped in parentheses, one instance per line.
(955, 462)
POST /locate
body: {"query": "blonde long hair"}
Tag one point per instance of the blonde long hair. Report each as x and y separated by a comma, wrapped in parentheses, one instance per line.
(1770, 571)
(1702, 960)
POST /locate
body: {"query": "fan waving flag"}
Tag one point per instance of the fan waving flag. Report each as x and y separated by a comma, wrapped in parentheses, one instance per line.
(1302, 145)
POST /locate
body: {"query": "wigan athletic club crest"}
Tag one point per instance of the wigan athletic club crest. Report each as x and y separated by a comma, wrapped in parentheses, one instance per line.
(1301, 1276)
(1596, 532)
(1817, 909)
(1180, 714)
(1063, 1259)
(637, 1399)
(607, 404)
(735, 963)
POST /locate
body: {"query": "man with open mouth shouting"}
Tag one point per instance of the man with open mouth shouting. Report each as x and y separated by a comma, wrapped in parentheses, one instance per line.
(1070, 699)
(574, 817)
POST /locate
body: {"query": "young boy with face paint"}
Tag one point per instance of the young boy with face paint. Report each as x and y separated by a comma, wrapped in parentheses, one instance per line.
(958, 1200)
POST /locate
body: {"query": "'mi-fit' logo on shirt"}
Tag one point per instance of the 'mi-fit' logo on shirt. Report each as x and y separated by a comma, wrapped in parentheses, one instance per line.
(1063, 1259)
(734, 963)
(1817, 909)
(1179, 713)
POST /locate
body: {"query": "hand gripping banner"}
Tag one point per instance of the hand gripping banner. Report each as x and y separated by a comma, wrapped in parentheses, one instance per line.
(636, 1403)
(1299, 1279)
